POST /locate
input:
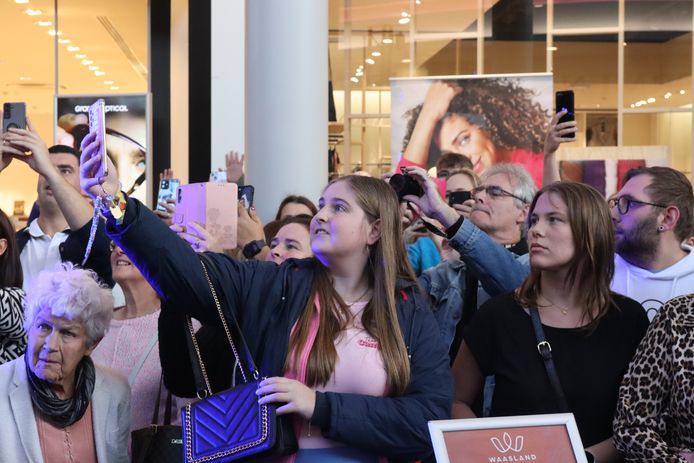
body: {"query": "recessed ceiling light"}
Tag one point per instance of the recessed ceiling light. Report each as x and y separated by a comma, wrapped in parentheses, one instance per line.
(108, 82)
(21, 2)
(376, 53)
(99, 73)
(632, 105)
(93, 68)
(24, 78)
(72, 48)
(404, 20)
(404, 14)
(668, 95)
(87, 62)
(80, 56)
(32, 12)
(354, 79)
(64, 41)
(53, 33)
(552, 48)
(650, 100)
(418, 2)
(44, 23)
(682, 92)
(114, 87)
(406, 60)
(358, 73)
(387, 40)
(369, 61)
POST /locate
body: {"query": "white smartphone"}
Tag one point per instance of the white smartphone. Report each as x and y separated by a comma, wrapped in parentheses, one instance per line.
(97, 124)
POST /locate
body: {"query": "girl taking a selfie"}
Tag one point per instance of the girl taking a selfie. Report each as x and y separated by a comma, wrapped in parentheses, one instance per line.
(348, 344)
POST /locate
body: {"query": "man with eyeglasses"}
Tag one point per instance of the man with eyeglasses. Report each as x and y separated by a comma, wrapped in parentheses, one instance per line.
(491, 245)
(653, 215)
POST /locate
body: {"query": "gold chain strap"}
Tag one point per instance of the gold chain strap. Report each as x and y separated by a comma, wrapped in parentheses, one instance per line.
(197, 353)
(224, 323)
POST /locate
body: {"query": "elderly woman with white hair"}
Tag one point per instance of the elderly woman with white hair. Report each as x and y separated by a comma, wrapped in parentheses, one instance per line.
(55, 403)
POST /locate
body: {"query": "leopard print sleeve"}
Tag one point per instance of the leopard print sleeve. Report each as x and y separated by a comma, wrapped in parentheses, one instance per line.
(641, 424)
(13, 339)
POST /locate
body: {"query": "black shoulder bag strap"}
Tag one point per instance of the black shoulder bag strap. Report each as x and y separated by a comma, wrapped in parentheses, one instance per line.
(202, 382)
(545, 350)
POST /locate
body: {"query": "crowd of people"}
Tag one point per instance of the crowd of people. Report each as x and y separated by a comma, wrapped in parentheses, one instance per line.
(369, 314)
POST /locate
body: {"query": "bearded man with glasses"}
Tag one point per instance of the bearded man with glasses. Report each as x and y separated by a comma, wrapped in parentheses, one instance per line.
(653, 215)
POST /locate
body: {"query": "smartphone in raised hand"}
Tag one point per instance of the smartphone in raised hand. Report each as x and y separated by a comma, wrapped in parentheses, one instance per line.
(97, 124)
(565, 102)
(14, 116)
(246, 194)
(167, 189)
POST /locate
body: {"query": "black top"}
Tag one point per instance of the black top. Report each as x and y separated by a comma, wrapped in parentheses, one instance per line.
(590, 364)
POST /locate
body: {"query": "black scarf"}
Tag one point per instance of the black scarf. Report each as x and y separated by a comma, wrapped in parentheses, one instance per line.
(63, 413)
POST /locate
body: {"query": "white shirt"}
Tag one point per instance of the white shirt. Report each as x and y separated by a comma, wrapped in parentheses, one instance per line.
(41, 251)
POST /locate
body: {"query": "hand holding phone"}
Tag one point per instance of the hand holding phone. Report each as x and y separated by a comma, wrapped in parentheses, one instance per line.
(97, 124)
(13, 116)
(565, 102)
(167, 190)
(246, 194)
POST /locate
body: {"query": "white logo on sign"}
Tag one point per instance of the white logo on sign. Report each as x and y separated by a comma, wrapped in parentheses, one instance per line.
(507, 445)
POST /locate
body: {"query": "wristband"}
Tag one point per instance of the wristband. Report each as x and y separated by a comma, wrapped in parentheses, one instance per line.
(253, 248)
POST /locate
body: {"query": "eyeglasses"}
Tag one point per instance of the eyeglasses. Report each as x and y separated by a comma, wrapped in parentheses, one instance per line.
(496, 192)
(624, 202)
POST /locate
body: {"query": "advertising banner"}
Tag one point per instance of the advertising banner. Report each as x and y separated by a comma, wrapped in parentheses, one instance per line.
(489, 119)
(126, 134)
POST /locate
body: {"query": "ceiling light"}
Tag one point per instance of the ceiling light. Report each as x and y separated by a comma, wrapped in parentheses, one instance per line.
(404, 14)
(632, 105)
(93, 68)
(418, 2)
(64, 41)
(99, 73)
(387, 40)
(114, 87)
(72, 48)
(668, 95)
(24, 78)
(53, 33)
(32, 12)
(358, 73)
(369, 61)
(406, 60)
(108, 82)
(21, 2)
(376, 53)
(44, 23)
(552, 48)
(354, 79)
(87, 62)
(624, 44)
(682, 92)
(404, 20)
(80, 56)
(361, 66)
(650, 100)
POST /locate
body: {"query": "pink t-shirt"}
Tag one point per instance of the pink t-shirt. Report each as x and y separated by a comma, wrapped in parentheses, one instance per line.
(72, 444)
(358, 370)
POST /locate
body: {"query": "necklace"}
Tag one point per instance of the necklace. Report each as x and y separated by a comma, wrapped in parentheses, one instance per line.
(564, 309)
(359, 298)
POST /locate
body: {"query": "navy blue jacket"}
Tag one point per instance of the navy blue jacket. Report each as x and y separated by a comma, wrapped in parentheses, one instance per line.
(267, 300)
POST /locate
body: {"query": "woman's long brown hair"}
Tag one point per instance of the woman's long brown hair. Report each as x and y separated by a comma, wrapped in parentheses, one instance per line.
(387, 263)
(592, 266)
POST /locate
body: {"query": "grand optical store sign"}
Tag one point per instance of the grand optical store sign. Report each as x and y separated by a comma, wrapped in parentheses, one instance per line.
(536, 438)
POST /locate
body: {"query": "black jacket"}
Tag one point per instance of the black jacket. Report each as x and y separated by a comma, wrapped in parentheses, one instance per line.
(72, 250)
(267, 300)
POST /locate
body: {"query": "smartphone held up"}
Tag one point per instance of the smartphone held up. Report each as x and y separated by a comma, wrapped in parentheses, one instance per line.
(13, 116)
(97, 124)
(564, 101)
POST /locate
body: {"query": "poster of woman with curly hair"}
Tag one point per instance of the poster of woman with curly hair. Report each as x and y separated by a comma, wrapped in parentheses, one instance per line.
(489, 119)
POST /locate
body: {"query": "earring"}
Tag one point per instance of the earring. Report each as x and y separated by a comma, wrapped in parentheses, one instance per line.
(661, 228)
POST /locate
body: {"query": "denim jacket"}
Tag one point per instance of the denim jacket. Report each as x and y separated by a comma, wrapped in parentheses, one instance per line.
(498, 270)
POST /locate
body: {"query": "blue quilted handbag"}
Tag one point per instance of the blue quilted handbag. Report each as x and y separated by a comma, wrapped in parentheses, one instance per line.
(231, 425)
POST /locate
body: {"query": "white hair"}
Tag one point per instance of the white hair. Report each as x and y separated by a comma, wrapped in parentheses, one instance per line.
(521, 182)
(73, 293)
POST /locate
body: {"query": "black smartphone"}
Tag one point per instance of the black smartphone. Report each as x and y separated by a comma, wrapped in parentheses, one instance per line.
(14, 116)
(565, 102)
(167, 189)
(458, 197)
(246, 193)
